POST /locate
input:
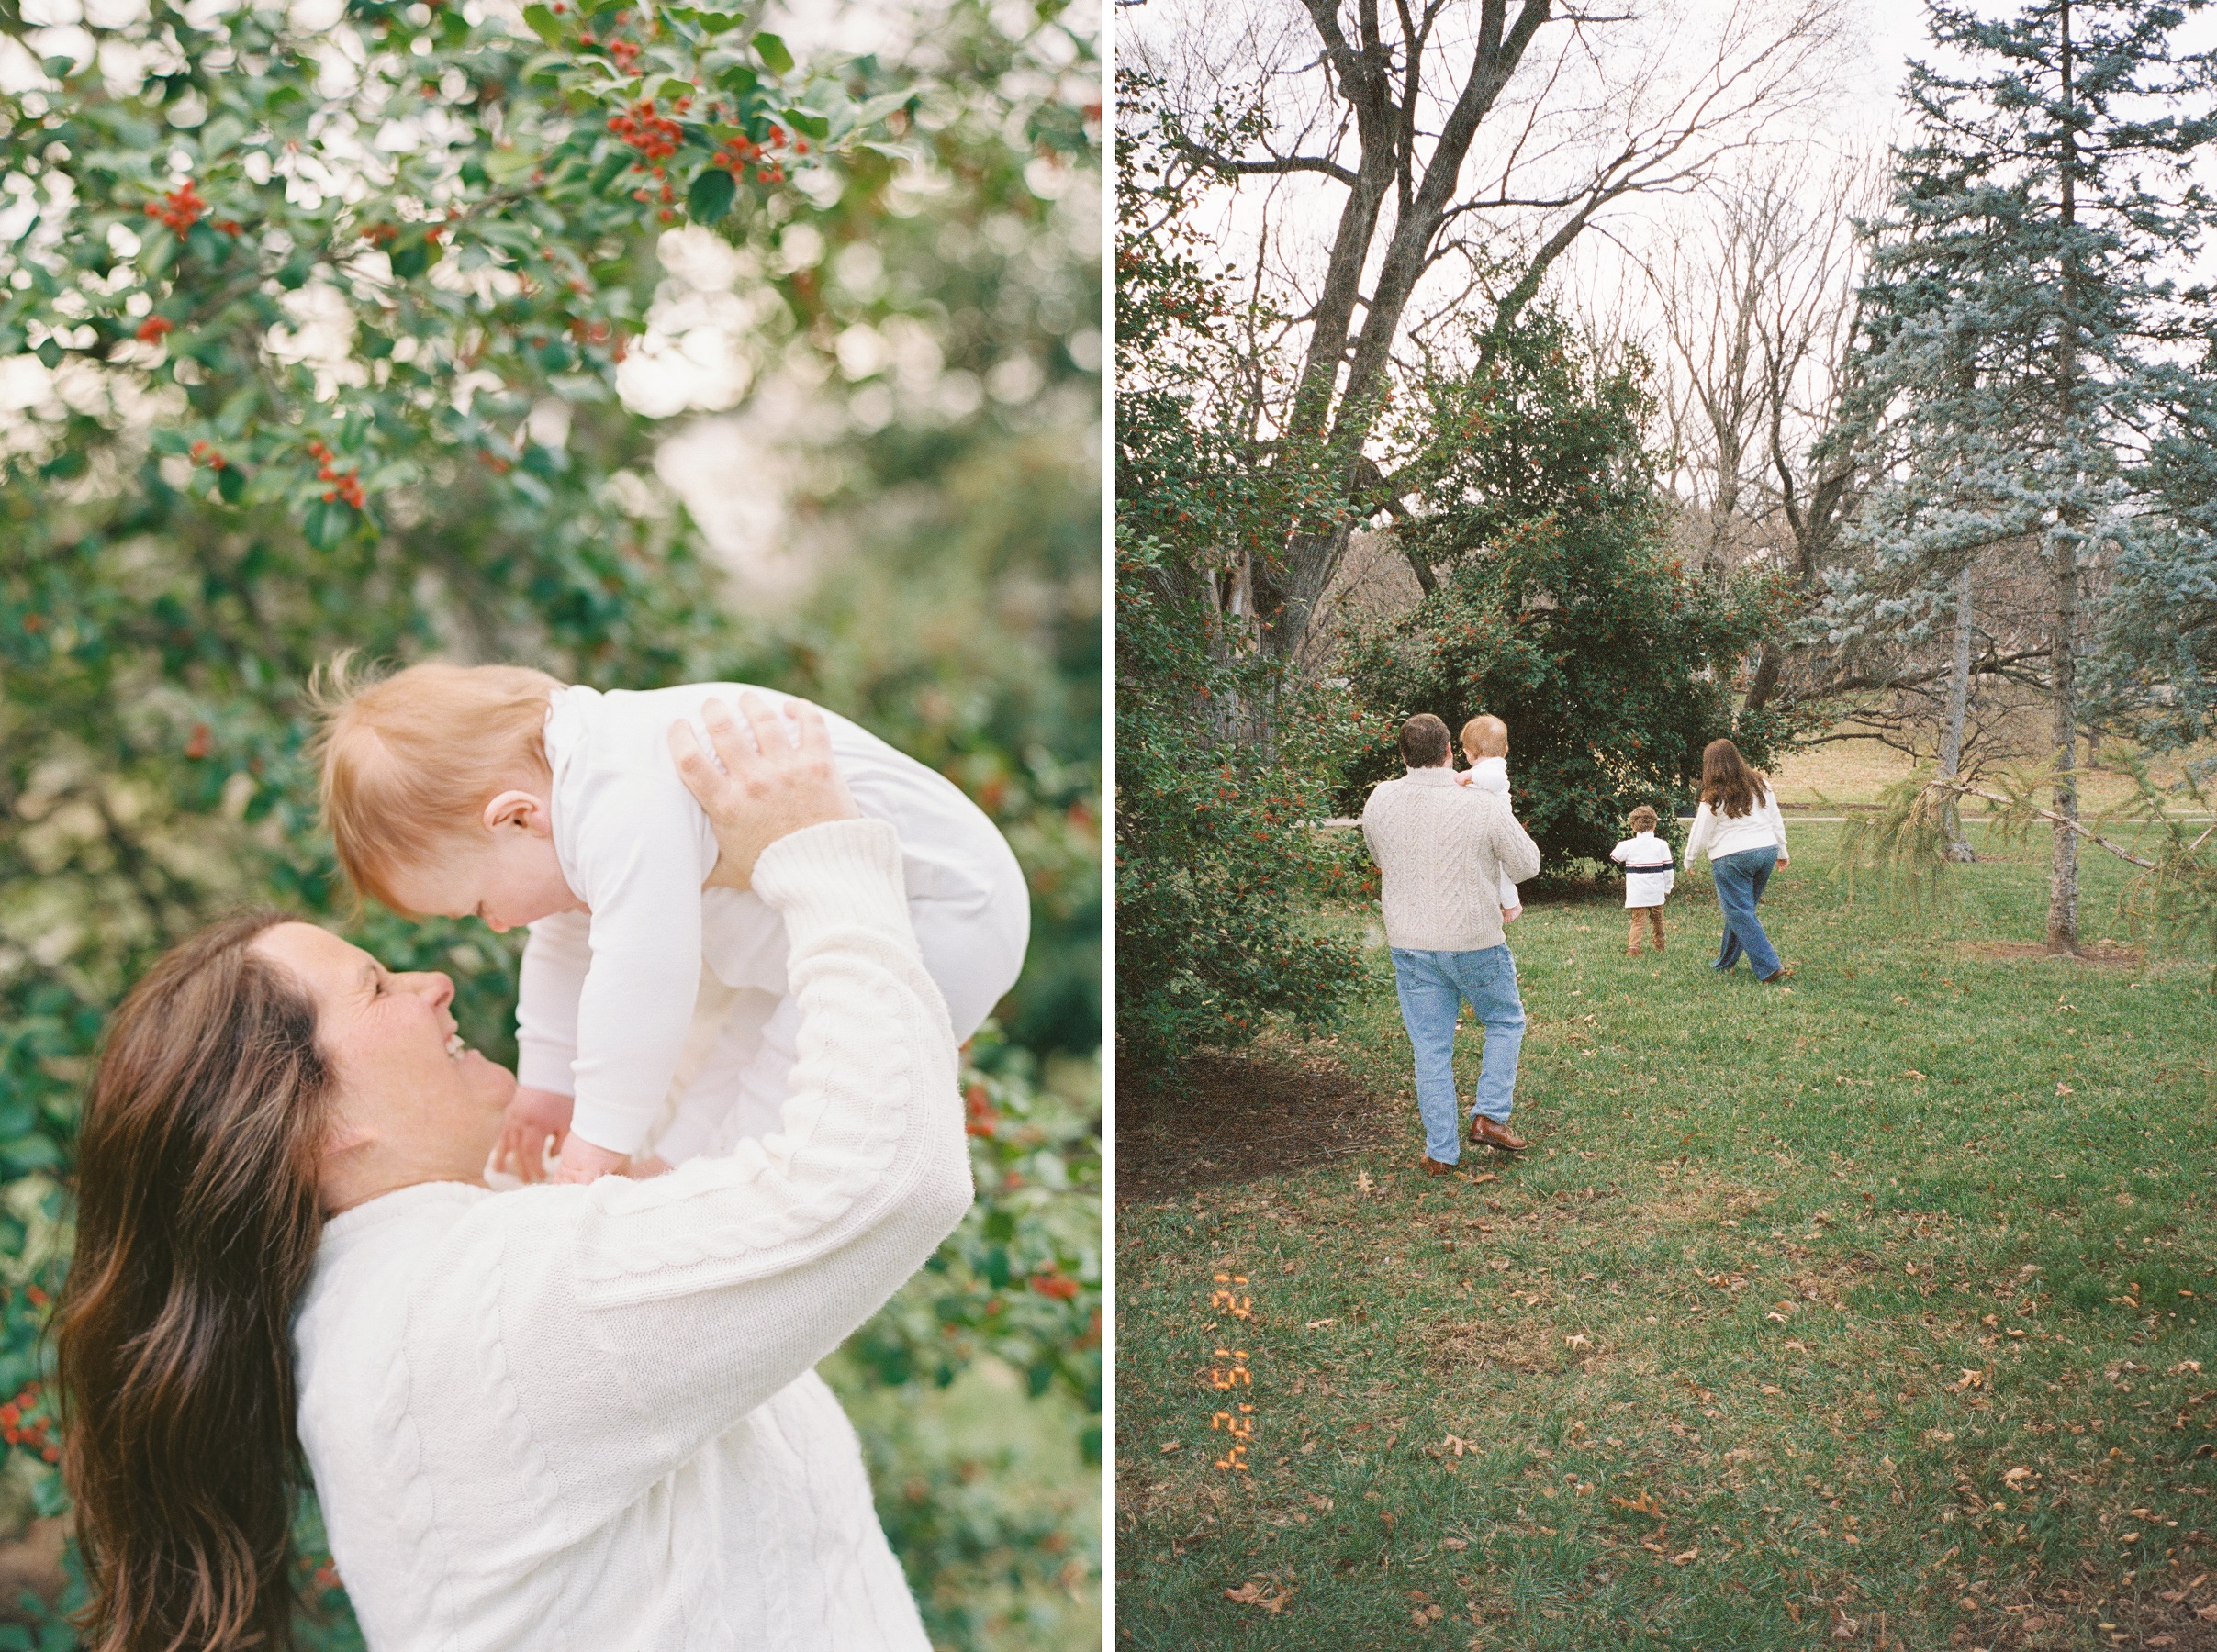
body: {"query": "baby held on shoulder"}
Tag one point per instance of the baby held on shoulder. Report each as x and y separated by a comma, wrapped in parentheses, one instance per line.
(499, 793)
(1485, 746)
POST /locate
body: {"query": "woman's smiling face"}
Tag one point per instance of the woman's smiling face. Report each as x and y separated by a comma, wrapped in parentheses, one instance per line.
(415, 1104)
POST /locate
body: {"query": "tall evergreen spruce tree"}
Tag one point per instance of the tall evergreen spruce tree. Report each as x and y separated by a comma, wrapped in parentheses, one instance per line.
(2027, 347)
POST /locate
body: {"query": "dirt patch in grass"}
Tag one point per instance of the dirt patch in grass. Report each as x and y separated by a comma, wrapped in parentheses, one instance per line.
(1235, 1118)
(2108, 952)
(2162, 1613)
(1464, 1347)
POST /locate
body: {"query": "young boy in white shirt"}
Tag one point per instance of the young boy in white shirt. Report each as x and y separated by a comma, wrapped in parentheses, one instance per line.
(499, 793)
(1649, 870)
(1486, 747)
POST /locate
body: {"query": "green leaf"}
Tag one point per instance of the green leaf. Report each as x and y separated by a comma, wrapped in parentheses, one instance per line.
(718, 22)
(230, 482)
(221, 135)
(296, 270)
(807, 123)
(501, 164)
(328, 523)
(773, 53)
(413, 253)
(544, 24)
(711, 196)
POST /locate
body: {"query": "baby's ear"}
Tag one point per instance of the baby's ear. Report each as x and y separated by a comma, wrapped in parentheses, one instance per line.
(519, 808)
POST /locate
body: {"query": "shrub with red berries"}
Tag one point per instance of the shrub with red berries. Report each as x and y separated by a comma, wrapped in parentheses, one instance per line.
(27, 1424)
(180, 209)
(345, 484)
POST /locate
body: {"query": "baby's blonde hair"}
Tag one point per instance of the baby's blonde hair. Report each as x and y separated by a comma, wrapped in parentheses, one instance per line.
(410, 759)
(1486, 736)
(1644, 819)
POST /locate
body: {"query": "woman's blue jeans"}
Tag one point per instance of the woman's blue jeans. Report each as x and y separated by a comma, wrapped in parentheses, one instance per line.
(1740, 880)
(1434, 986)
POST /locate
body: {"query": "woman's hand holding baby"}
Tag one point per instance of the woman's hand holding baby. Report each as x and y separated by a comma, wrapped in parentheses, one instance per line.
(777, 776)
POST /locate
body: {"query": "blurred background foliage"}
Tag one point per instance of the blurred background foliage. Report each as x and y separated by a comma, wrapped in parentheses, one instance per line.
(644, 345)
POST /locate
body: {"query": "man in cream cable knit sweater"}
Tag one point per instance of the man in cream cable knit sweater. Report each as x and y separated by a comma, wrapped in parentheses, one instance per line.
(1443, 850)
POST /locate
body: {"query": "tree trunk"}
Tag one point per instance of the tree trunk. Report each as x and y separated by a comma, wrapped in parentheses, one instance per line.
(1959, 701)
(2062, 870)
(1769, 661)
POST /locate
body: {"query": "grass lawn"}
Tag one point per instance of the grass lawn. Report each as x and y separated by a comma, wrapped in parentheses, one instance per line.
(1876, 1313)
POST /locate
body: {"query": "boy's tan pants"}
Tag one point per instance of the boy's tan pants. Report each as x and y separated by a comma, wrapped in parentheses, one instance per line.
(1655, 921)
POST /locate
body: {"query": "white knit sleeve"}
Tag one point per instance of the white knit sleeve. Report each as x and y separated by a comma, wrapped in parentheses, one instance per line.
(1517, 854)
(549, 980)
(635, 1320)
(1704, 828)
(1777, 820)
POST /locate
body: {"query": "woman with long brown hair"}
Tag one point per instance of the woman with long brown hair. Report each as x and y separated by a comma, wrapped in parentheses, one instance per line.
(1739, 826)
(564, 1417)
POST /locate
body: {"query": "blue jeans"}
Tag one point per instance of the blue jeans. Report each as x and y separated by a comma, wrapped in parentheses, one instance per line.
(1434, 986)
(1739, 880)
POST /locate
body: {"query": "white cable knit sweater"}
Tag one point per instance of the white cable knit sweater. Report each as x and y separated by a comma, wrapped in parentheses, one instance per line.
(584, 1419)
(1443, 850)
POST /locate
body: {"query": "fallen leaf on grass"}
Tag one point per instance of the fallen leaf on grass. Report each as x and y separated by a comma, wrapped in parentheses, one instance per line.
(1647, 1502)
(1484, 1175)
(2064, 1089)
(1580, 1340)
(1692, 1554)
(1456, 1544)
(1319, 1324)
(1170, 1444)
(1362, 1181)
(1257, 1594)
(2207, 1614)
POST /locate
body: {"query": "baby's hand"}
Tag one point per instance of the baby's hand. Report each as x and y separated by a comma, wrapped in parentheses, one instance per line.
(535, 1117)
(1510, 914)
(583, 1162)
(647, 1165)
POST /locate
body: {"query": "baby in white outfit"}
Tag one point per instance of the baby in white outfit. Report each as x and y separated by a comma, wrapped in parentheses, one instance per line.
(498, 793)
(1485, 746)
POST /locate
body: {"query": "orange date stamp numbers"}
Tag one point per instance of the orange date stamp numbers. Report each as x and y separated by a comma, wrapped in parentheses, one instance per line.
(1233, 1376)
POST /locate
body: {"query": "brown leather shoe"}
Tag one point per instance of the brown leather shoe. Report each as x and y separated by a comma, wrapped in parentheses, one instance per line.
(1432, 1166)
(1778, 974)
(1484, 1132)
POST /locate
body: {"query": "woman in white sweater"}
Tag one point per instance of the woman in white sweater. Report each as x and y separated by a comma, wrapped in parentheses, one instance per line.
(565, 1417)
(1739, 826)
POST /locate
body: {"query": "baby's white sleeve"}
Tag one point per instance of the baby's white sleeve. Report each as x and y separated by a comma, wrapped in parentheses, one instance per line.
(548, 982)
(714, 1086)
(642, 868)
